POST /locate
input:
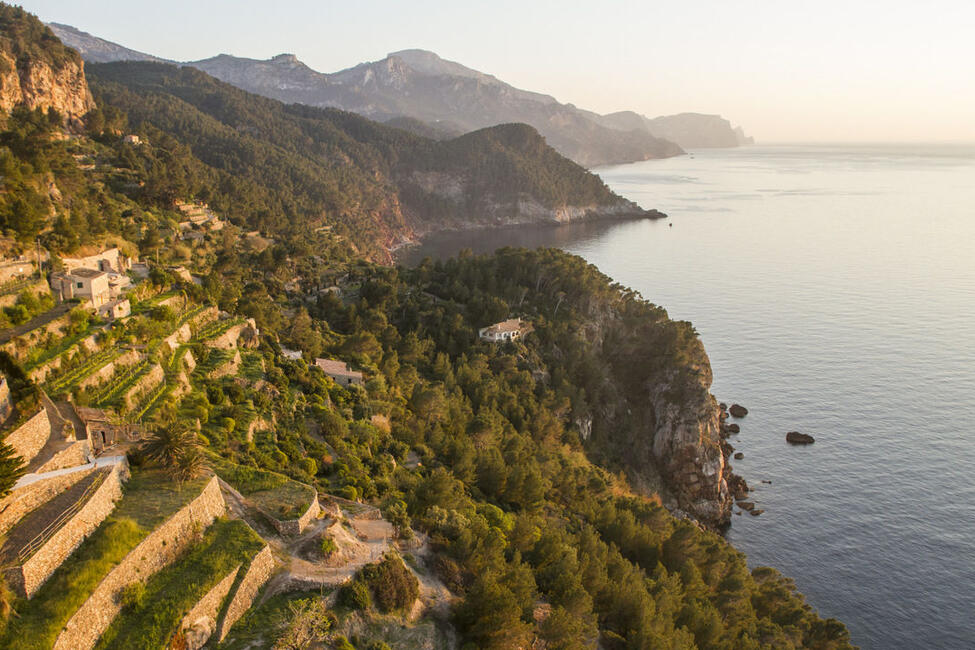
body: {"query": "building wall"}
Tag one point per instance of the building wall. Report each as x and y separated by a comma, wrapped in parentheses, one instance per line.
(29, 438)
(28, 578)
(200, 622)
(257, 575)
(155, 552)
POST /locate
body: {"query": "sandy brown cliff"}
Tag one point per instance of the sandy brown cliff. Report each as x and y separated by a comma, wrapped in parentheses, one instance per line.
(37, 70)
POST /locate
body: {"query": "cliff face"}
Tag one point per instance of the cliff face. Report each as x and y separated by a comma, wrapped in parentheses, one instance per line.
(37, 70)
(686, 447)
(37, 84)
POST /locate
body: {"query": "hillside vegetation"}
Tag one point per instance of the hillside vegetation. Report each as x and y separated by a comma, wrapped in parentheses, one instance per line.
(472, 451)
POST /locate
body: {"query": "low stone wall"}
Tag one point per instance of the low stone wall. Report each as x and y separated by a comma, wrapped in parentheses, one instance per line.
(29, 438)
(127, 358)
(39, 374)
(228, 367)
(257, 574)
(227, 340)
(207, 315)
(156, 551)
(33, 495)
(146, 383)
(200, 622)
(296, 526)
(181, 335)
(19, 346)
(27, 578)
(76, 453)
(189, 361)
(10, 299)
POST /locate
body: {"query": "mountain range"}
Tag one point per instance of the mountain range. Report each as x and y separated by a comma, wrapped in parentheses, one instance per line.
(435, 95)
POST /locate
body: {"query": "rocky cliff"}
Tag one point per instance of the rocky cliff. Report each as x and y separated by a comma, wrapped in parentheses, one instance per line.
(689, 130)
(37, 71)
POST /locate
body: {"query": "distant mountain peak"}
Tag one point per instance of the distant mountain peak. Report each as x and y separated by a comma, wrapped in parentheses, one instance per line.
(286, 58)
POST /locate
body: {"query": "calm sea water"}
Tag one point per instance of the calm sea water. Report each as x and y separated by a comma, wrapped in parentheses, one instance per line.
(834, 289)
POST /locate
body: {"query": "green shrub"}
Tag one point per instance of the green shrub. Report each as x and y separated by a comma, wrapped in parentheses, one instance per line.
(355, 595)
(328, 546)
(132, 595)
(393, 586)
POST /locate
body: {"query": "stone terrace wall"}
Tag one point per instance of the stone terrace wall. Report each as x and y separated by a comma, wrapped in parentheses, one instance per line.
(156, 551)
(149, 381)
(127, 358)
(88, 344)
(29, 438)
(76, 453)
(182, 335)
(227, 340)
(201, 621)
(27, 578)
(296, 526)
(23, 500)
(257, 574)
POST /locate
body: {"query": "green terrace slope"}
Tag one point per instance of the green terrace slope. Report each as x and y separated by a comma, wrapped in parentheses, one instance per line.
(274, 166)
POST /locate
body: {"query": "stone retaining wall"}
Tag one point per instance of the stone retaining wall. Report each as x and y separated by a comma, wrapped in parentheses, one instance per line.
(29, 438)
(296, 526)
(146, 383)
(200, 622)
(33, 495)
(257, 574)
(88, 344)
(156, 551)
(19, 346)
(127, 358)
(76, 453)
(28, 578)
(189, 361)
(227, 368)
(181, 335)
(10, 299)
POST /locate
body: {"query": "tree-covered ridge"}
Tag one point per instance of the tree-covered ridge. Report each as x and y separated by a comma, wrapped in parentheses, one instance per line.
(25, 39)
(331, 166)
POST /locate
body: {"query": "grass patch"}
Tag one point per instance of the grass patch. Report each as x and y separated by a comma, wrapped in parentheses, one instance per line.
(275, 494)
(262, 625)
(149, 498)
(150, 621)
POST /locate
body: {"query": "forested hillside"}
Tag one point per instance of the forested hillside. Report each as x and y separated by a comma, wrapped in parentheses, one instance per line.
(506, 519)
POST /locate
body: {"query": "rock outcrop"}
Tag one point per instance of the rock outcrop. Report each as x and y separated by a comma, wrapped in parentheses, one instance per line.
(687, 445)
(37, 71)
(796, 438)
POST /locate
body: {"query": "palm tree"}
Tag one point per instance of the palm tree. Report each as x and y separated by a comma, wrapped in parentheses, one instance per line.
(176, 449)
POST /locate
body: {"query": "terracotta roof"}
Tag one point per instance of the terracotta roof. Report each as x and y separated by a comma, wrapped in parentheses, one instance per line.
(334, 367)
(510, 325)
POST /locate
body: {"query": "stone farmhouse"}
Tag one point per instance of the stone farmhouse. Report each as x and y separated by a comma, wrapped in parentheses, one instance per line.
(340, 372)
(84, 283)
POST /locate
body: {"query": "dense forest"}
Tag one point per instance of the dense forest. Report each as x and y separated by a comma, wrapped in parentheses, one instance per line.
(475, 448)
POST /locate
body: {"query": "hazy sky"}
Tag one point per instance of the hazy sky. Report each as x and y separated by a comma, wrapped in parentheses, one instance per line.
(786, 71)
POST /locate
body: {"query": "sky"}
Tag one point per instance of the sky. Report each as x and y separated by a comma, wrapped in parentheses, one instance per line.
(786, 71)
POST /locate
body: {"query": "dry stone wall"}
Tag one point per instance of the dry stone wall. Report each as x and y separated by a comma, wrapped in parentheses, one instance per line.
(200, 622)
(156, 551)
(127, 358)
(28, 578)
(25, 499)
(76, 453)
(296, 526)
(29, 438)
(257, 575)
(182, 335)
(148, 382)
(88, 345)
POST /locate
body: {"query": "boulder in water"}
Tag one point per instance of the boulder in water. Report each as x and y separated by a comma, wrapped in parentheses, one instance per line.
(796, 438)
(738, 411)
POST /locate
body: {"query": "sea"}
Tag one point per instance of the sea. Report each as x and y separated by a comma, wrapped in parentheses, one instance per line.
(834, 289)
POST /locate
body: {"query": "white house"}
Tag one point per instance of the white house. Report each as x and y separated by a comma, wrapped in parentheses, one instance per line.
(340, 372)
(82, 283)
(509, 330)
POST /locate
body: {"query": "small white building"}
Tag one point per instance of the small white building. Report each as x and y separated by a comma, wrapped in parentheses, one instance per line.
(340, 372)
(82, 283)
(509, 330)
